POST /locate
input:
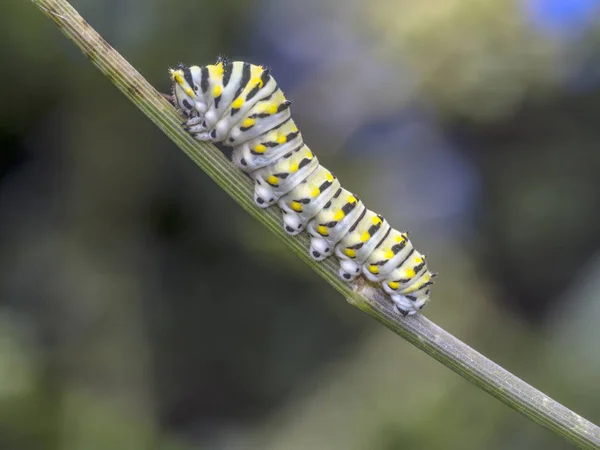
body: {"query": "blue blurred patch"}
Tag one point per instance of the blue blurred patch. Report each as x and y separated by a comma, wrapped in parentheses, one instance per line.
(562, 16)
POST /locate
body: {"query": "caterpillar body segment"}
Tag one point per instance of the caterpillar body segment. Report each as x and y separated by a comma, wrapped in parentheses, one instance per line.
(359, 243)
(308, 198)
(283, 175)
(240, 105)
(268, 147)
(389, 254)
(251, 128)
(333, 222)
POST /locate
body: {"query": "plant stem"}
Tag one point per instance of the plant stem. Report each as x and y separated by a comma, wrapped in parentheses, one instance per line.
(418, 330)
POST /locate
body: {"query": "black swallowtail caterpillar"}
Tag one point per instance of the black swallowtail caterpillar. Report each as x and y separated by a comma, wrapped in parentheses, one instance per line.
(239, 105)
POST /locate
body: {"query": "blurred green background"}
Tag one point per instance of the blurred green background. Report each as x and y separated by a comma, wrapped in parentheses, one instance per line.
(140, 308)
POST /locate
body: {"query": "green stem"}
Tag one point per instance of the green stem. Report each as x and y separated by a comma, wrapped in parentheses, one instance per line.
(416, 329)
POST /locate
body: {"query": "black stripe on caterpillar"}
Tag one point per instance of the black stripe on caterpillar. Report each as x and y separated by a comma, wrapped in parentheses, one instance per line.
(240, 105)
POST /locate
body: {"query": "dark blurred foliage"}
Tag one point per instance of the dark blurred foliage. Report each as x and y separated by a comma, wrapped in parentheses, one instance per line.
(540, 209)
(141, 308)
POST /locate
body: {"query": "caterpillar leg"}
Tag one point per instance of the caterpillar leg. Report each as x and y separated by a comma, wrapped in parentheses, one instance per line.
(319, 249)
(263, 196)
(195, 129)
(196, 126)
(202, 136)
(196, 120)
(349, 270)
(292, 223)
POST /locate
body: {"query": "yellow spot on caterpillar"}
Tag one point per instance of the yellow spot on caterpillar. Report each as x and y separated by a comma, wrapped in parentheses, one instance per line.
(177, 75)
(282, 139)
(339, 215)
(394, 285)
(260, 148)
(415, 287)
(294, 167)
(248, 123)
(215, 72)
(376, 220)
(388, 254)
(315, 192)
(373, 269)
(217, 90)
(329, 176)
(350, 252)
(323, 230)
(272, 108)
(309, 155)
(273, 180)
(297, 206)
(399, 238)
(256, 82)
(351, 199)
(410, 273)
(237, 104)
(365, 236)
(256, 72)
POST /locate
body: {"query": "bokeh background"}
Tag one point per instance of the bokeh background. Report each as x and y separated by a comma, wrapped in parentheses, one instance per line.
(141, 308)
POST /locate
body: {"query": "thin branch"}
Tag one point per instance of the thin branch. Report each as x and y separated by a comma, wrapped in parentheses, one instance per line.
(418, 330)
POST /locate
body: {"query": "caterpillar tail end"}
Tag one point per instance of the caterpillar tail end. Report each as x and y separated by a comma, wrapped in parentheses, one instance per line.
(405, 306)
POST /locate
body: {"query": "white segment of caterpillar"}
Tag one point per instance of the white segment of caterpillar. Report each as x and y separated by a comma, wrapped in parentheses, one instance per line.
(239, 105)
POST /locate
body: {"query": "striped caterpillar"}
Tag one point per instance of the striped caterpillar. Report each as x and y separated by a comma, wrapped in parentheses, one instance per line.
(239, 105)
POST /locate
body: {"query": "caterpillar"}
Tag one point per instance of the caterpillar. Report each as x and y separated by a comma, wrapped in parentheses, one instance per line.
(240, 105)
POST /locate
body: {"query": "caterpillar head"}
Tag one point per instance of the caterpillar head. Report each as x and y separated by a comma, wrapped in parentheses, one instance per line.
(408, 305)
(185, 89)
